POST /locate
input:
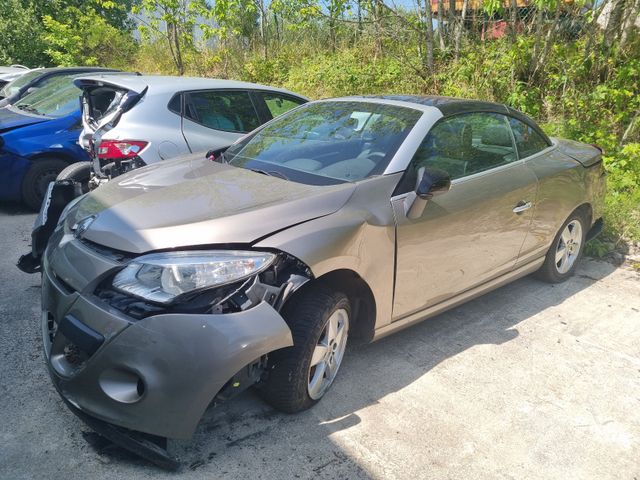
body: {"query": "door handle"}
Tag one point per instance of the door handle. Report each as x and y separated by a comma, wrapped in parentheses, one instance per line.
(522, 206)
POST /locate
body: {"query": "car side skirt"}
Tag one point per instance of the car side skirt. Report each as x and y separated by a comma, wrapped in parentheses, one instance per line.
(470, 294)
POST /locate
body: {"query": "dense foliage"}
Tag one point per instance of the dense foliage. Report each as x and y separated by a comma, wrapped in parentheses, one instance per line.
(575, 67)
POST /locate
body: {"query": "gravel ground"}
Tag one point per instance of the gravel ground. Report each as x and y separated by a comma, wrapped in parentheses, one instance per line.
(529, 381)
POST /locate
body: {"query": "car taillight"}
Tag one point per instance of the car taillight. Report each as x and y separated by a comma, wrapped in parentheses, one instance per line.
(119, 149)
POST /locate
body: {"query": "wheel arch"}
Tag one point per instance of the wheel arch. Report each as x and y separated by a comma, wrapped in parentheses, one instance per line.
(53, 156)
(359, 294)
(586, 210)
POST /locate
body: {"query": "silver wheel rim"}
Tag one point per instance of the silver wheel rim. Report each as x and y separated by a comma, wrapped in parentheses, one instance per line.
(328, 353)
(568, 246)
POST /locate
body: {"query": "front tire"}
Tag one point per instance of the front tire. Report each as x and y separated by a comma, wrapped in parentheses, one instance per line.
(37, 179)
(565, 251)
(299, 376)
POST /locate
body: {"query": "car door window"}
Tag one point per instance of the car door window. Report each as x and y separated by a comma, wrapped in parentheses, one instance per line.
(278, 104)
(175, 104)
(463, 145)
(231, 111)
(528, 141)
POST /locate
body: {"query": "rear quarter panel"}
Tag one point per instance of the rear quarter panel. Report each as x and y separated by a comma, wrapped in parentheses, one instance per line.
(152, 121)
(564, 185)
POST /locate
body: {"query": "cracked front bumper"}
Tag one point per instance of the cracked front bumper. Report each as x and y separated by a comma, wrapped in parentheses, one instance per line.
(156, 375)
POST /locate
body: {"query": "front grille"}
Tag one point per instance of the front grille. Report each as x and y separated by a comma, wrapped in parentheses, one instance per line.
(51, 327)
(110, 253)
(71, 342)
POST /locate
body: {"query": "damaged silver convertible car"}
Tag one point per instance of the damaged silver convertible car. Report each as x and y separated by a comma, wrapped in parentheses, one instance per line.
(182, 283)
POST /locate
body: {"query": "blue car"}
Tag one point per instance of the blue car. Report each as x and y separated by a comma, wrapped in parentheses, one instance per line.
(38, 139)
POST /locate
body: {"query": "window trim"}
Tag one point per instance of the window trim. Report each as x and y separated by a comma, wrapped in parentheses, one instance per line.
(536, 129)
(206, 90)
(293, 98)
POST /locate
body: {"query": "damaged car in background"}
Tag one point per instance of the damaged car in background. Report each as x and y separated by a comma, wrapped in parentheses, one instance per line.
(132, 121)
(182, 283)
(10, 73)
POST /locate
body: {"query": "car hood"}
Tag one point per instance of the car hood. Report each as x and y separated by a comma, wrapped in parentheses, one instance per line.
(10, 119)
(193, 201)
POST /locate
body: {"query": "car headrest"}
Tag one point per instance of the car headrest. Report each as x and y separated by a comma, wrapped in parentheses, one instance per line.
(466, 137)
(496, 135)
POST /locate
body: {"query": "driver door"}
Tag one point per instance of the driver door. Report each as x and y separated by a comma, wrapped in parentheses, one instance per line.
(471, 234)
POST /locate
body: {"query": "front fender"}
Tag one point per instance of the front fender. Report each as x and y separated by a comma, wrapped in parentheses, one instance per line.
(359, 237)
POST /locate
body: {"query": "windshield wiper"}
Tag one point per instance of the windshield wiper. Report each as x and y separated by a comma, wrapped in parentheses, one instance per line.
(270, 173)
(29, 108)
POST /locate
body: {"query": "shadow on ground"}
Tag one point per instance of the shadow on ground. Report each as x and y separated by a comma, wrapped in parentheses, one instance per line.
(371, 372)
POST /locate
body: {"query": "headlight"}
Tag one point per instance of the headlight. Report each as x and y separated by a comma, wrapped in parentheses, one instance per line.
(67, 209)
(161, 277)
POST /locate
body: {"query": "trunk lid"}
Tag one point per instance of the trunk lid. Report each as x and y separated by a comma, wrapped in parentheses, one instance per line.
(584, 153)
(104, 101)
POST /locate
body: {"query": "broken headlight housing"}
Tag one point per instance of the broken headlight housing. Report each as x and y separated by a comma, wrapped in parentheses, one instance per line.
(162, 277)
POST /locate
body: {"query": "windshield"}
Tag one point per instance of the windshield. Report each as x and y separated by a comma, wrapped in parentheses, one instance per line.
(58, 98)
(327, 142)
(14, 86)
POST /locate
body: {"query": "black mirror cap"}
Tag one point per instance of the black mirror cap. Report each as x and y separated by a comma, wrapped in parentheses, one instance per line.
(433, 182)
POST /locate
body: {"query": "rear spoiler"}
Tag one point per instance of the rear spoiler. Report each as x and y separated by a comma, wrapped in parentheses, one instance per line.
(89, 82)
(585, 154)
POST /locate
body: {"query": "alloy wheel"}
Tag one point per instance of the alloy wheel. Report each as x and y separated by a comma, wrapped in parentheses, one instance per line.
(568, 247)
(328, 353)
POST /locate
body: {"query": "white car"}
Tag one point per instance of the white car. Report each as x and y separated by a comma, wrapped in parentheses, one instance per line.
(8, 74)
(131, 121)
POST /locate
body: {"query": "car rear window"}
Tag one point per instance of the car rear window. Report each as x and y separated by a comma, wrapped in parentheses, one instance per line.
(230, 111)
(528, 141)
(278, 104)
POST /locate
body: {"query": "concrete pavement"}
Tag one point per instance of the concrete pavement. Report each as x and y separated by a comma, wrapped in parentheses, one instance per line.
(529, 381)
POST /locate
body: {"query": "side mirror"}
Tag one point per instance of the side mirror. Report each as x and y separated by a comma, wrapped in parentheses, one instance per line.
(432, 182)
(32, 89)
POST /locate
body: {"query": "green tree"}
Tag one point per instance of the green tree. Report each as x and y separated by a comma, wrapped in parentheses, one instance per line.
(20, 40)
(175, 22)
(84, 36)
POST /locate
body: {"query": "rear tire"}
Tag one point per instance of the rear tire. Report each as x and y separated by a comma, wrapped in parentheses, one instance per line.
(299, 376)
(37, 179)
(78, 172)
(565, 251)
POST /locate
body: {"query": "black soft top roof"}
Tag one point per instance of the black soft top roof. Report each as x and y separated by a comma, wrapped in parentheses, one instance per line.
(453, 106)
(447, 105)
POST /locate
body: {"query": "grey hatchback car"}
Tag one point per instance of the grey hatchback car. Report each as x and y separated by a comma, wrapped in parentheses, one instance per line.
(185, 282)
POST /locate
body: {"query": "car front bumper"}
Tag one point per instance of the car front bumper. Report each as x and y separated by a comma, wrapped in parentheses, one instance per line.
(156, 375)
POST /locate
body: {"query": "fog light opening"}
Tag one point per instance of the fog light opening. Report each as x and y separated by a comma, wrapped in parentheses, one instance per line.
(122, 385)
(140, 387)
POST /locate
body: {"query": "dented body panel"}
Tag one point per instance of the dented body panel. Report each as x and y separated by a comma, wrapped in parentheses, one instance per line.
(181, 360)
(197, 199)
